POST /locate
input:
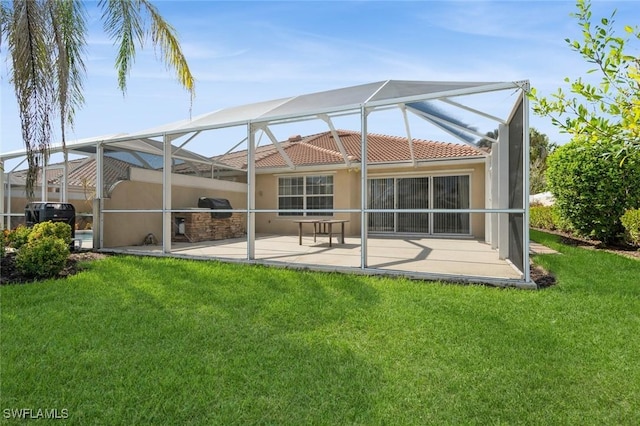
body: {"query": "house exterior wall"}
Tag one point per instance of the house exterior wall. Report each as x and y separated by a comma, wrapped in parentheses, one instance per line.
(124, 229)
(347, 192)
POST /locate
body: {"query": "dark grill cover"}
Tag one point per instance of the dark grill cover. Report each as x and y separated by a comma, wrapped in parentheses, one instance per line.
(39, 211)
(216, 204)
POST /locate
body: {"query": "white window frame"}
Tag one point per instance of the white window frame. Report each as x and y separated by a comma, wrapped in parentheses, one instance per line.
(305, 196)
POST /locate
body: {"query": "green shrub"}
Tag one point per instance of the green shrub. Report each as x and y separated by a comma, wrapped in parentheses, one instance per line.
(18, 237)
(4, 240)
(631, 222)
(51, 229)
(42, 257)
(561, 223)
(541, 217)
(593, 187)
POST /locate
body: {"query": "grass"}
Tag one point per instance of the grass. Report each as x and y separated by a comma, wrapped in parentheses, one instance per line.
(149, 340)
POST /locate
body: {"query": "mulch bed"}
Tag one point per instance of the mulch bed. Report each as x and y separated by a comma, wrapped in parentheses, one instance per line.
(619, 248)
(541, 277)
(11, 275)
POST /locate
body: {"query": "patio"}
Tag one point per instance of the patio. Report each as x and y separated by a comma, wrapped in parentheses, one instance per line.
(416, 257)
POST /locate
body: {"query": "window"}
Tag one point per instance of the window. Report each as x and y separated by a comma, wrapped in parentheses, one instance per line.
(305, 192)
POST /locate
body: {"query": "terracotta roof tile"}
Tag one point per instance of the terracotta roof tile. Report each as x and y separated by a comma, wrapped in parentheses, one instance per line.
(80, 174)
(323, 149)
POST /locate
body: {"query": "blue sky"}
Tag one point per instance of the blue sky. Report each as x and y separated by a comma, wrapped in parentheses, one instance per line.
(243, 52)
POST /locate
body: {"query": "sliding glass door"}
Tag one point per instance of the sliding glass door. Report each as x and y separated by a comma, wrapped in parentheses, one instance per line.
(440, 192)
(451, 192)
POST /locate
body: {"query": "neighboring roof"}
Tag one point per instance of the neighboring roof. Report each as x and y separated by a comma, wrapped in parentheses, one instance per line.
(322, 149)
(313, 150)
(82, 172)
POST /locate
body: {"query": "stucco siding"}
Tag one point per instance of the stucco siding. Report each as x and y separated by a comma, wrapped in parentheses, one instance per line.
(347, 184)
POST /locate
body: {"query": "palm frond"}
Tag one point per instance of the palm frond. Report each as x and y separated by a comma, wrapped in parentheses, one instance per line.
(5, 19)
(31, 75)
(164, 38)
(69, 29)
(123, 23)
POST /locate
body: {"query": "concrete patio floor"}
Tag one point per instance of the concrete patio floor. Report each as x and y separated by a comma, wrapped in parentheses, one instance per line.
(438, 258)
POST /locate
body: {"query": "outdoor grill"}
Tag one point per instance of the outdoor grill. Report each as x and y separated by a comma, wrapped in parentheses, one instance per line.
(37, 212)
(216, 204)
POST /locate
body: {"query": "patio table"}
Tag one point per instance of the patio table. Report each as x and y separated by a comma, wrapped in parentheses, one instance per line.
(321, 227)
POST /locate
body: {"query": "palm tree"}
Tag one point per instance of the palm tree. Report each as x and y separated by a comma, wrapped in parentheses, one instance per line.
(46, 40)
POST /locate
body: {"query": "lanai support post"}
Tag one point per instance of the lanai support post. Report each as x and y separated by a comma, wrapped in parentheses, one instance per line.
(43, 181)
(488, 183)
(8, 217)
(9, 207)
(65, 177)
(166, 195)
(98, 206)
(495, 190)
(363, 190)
(525, 190)
(251, 193)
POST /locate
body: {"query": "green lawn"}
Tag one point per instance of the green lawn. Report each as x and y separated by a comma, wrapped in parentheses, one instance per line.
(167, 341)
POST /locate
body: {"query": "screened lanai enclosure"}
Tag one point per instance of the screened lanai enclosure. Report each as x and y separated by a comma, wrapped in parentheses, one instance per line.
(414, 178)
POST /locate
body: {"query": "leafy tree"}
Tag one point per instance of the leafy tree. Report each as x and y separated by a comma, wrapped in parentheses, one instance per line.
(608, 111)
(539, 148)
(46, 41)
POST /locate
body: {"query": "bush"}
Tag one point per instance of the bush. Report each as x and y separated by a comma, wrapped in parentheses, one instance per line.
(631, 222)
(4, 240)
(541, 217)
(561, 223)
(43, 257)
(18, 237)
(593, 187)
(51, 229)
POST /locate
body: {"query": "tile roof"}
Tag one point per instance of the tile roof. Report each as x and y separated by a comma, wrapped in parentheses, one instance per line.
(321, 149)
(317, 149)
(80, 175)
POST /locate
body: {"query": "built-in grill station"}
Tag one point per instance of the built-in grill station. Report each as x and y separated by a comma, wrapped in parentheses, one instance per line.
(216, 204)
(209, 225)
